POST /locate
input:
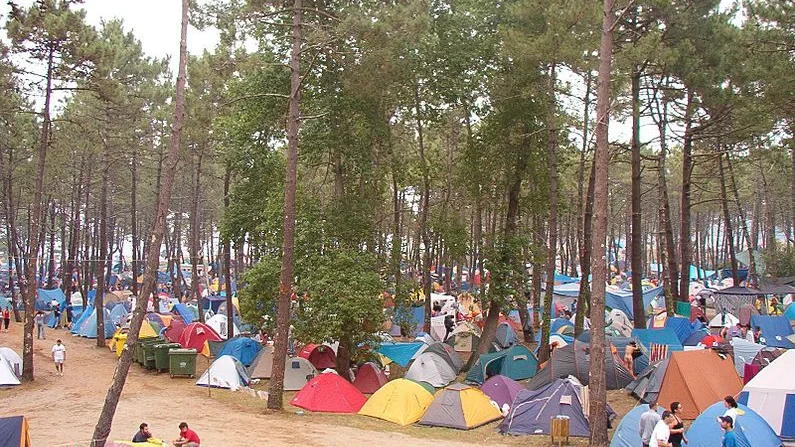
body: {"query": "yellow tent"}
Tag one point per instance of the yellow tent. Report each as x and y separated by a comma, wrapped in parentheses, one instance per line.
(152, 442)
(460, 406)
(401, 401)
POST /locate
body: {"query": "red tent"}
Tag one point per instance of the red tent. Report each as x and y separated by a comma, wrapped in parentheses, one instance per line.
(320, 356)
(369, 378)
(175, 330)
(329, 393)
(712, 340)
(196, 335)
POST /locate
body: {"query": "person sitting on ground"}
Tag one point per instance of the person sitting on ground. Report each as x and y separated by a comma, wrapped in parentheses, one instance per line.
(187, 437)
(630, 353)
(143, 434)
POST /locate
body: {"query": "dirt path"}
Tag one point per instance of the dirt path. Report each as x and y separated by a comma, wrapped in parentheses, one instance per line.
(62, 411)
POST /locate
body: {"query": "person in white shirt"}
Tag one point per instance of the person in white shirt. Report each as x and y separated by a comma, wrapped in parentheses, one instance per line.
(58, 356)
(662, 431)
(731, 408)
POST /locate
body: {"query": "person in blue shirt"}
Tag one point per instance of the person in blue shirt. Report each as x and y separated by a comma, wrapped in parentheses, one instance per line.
(729, 438)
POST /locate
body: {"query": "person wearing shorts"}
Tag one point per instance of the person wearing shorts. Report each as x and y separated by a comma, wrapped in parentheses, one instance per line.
(58, 356)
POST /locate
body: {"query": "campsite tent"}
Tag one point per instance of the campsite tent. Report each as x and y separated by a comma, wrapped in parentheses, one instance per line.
(14, 432)
(13, 359)
(501, 389)
(665, 336)
(175, 329)
(432, 368)
(118, 315)
(8, 376)
(744, 352)
(697, 379)
(750, 429)
(682, 327)
(574, 360)
(771, 393)
(46, 297)
(622, 300)
(505, 336)
(533, 409)
(775, 330)
(646, 386)
(400, 401)
(517, 362)
(619, 323)
(89, 326)
(196, 335)
(369, 378)
(297, 372)
(446, 352)
(241, 348)
(626, 434)
(723, 320)
(465, 337)
(460, 406)
(329, 393)
(184, 312)
(225, 372)
(321, 356)
(219, 324)
(262, 365)
(400, 353)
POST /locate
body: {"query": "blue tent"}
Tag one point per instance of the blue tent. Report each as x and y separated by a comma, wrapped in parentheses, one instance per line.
(516, 362)
(664, 336)
(622, 300)
(775, 330)
(706, 432)
(400, 353)
(505, 336)
(183, 311)
(626, 434)
(699, 273)
(46, 297)
(14, 432)
(5, 303)
(789, 312)
(118, 315)
(77, 324)
(565, 279)
(681, 327)
(241, 348)
(696, 337)
(91, 295)
(89, 326)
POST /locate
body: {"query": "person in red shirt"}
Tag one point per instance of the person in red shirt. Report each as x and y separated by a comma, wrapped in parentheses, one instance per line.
(187, 437)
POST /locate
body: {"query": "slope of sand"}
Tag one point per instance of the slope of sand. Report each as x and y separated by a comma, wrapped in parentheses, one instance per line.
(62, 411)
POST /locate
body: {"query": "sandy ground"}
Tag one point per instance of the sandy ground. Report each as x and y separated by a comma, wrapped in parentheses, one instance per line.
(62, 411)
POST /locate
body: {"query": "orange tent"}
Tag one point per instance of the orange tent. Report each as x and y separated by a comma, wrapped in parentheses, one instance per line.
(698, 379)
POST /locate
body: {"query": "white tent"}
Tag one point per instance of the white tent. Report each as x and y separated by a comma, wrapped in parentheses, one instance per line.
(298, 371)
(225, 372)
(431, 368)
(218, 323)
(620, 323)
(723, 320)
(771, 393)
(13, 359)
(7, 376)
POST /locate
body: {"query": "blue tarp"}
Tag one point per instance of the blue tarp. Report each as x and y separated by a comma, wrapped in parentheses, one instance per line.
(664, 336)
(564, 279)
(415, 317)
(623, 300)
(706, 432)
(46, 297)
(400, 353)
(5, 303)
(626, 434)
(241, 348)
(82, 319)
(681, 326)
(183, 311)
(775, 330)
(696, 337)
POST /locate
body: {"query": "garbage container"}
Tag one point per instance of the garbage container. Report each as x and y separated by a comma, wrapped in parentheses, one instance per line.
(149, 353)
(161, 355)
(138, 353)
(182, 362)
(119, 340)
(559, 429)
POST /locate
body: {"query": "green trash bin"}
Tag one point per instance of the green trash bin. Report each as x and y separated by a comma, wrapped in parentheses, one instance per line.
(149, 353)
(182, 362)
(138, 351)
(161, 355)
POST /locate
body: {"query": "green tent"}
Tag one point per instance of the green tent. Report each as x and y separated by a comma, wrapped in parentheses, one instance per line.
(516, 362)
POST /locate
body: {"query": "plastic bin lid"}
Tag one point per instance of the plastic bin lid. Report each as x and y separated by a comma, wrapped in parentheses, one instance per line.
(182, 351)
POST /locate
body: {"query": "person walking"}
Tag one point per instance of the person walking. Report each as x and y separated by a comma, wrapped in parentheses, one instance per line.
(6, 318)
(58, 356)
(187, 437)
(662, 432)
(678, 427)
(648, 421)
(39, 319)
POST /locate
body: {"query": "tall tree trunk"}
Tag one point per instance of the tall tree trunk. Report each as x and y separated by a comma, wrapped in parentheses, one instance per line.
(685, 249)
(227, 270)
(195, 223)
(635, 245)
(29, 294)
(597, 386)
(727, 221)
(152, 256)
(136, 243)
(423, 226)
(584, 297)
(552, 242)
(753, 276)
(276, 387)
(12, 236)
(51, 262)
(99, 300)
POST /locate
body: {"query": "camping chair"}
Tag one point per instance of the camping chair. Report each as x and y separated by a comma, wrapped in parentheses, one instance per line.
(657, 352)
